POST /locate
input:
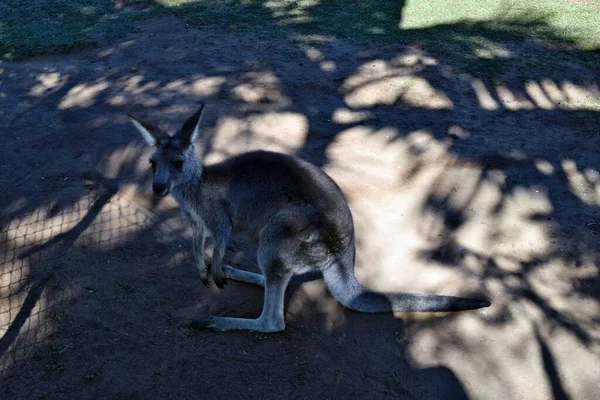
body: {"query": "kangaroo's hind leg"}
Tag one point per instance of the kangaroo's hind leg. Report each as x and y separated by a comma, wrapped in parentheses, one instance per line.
(279, 257)
(271, 318)
(244, 276)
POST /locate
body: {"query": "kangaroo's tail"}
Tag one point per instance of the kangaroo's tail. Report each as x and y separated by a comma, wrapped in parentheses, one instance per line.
(347, 290)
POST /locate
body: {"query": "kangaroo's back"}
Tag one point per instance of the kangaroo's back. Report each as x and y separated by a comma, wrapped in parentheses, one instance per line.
(260, 184)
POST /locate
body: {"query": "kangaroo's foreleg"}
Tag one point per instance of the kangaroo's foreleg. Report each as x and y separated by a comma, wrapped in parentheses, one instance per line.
(221, 238)
(198, 239)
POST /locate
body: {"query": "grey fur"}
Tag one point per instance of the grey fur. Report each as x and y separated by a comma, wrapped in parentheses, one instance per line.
(294, 211)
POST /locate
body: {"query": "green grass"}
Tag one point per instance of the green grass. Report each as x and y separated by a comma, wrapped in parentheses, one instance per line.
(574, 21)
(475, 34)
(568, 21)
(480, 28)
(30, 27)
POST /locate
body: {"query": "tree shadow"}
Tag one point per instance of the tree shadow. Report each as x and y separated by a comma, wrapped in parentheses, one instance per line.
(558, 391)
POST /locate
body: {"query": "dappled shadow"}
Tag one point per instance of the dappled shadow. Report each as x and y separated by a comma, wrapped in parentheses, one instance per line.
(36, 248)
(471, 159)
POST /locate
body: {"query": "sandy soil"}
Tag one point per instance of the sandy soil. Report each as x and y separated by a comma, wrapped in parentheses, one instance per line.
(459, 183)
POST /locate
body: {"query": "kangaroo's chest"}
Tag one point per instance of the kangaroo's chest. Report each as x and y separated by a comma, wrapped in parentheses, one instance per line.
(191, 210)
(193, 216)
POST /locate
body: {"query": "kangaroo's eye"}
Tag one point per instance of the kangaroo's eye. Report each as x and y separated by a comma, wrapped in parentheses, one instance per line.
(153, 164)
(178, 165)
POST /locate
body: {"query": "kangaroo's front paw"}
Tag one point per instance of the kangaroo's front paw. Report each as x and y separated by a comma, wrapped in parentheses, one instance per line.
(220, 279)
(204, 279)
(204, 271)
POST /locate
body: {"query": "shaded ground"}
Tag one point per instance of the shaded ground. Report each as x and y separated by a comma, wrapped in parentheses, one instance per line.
(461, 182)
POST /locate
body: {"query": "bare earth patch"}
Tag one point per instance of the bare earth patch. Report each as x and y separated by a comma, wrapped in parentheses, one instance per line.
(460, 183)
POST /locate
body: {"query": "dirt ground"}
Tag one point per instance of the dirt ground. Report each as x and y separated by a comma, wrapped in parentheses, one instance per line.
(460, 183)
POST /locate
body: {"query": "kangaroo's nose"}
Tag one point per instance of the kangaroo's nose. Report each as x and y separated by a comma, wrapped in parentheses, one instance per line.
(160, 189)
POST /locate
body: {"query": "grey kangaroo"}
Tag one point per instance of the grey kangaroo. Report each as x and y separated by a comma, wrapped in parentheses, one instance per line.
(296, 214)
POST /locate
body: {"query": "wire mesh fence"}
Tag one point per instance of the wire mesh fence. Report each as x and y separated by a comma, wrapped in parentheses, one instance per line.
(33, 246)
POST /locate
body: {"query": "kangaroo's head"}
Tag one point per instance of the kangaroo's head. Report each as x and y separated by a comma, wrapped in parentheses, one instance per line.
(173, 161)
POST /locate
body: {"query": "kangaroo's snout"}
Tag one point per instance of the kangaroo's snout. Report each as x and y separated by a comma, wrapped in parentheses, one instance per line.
(160, 189)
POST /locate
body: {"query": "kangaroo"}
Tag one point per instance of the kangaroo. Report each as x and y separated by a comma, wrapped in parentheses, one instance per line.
(293, 210)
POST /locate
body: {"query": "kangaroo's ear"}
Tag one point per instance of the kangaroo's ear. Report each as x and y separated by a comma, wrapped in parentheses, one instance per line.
(190, 128)
(151, 133)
